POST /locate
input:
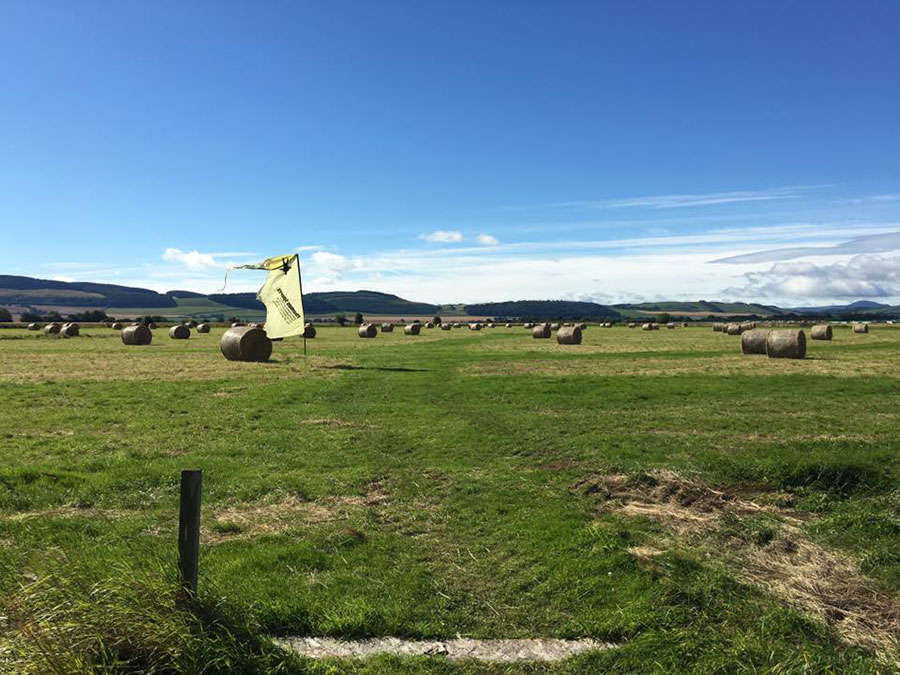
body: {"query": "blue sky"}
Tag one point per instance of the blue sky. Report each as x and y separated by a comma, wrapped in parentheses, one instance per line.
(457, 151)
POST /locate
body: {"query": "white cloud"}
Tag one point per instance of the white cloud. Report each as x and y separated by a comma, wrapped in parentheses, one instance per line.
(333, 261)
(192, 259)
(487, 240)
(60, 277)
(314, 247)
(443, 237)
(863, 276)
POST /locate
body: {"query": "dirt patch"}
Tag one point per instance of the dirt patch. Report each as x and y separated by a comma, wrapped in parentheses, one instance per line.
(460, 649)
(266, 517)
(777, 557)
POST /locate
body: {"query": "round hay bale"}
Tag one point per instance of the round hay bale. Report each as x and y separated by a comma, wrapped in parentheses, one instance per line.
(684, 324)
(429, 325)
(33, 326)
(117, 326)
(309, 331)
(490, 325)
(820, 331)
(179, 332)
(747, 326)
(860, 328)
(632, 324)
(474, 326)
(387, 328)
(650, 326)
(237, 324)
(152, 325)
(670, 326)
(52, 329)
(568, 335)
(733, 329)
(527, 326)
(137, 334)
(413, 329)
(367, 330)
(554, 326)
(541, 331)
(190, 324)
(445, 326)
(582, 326)
(754, 342)
(718, 327)
(203, 327)
(245, 343)
(457, 325)
(70, 330)
(786, 344)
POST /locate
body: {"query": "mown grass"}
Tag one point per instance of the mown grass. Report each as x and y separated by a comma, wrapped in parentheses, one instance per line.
(423, 487)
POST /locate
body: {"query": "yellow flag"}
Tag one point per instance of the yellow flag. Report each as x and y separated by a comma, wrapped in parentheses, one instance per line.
(282, 294)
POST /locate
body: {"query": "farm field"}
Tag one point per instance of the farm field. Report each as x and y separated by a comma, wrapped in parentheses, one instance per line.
(702, 510)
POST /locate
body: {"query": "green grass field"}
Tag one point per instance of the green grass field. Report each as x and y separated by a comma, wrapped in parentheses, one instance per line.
(706, 511)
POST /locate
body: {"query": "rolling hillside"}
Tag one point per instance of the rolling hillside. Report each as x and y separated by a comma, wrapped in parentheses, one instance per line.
(20, 294)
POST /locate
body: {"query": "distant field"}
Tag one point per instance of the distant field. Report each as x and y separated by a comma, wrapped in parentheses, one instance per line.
(189, 307)
(705, 511)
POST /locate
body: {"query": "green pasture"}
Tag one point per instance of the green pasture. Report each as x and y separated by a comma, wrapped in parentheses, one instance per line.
(433, 486)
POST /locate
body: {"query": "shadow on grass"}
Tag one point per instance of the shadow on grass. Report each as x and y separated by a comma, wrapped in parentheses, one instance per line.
(396, 369)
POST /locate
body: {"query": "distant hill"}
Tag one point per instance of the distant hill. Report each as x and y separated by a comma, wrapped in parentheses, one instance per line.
(542, 309)
(859, 306)
(699, 307)
(15, 290)
(21, 294)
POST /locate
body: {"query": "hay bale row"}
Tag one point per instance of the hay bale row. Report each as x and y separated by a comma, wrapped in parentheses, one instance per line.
(179, 332)
(541, 331)
(568, 335)
(245, 343)
(821, 331)
(754, 342)
(137, 335)
(367, 330)
(786, 344)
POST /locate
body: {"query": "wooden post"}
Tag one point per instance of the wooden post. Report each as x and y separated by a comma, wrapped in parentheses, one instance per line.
(189, 529)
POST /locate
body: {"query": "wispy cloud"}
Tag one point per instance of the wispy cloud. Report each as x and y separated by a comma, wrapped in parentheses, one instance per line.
(680, 200)
(877, 243)
(870, 199)
(443, 236)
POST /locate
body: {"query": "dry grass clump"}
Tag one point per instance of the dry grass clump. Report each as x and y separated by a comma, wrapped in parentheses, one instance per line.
(778, 557)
